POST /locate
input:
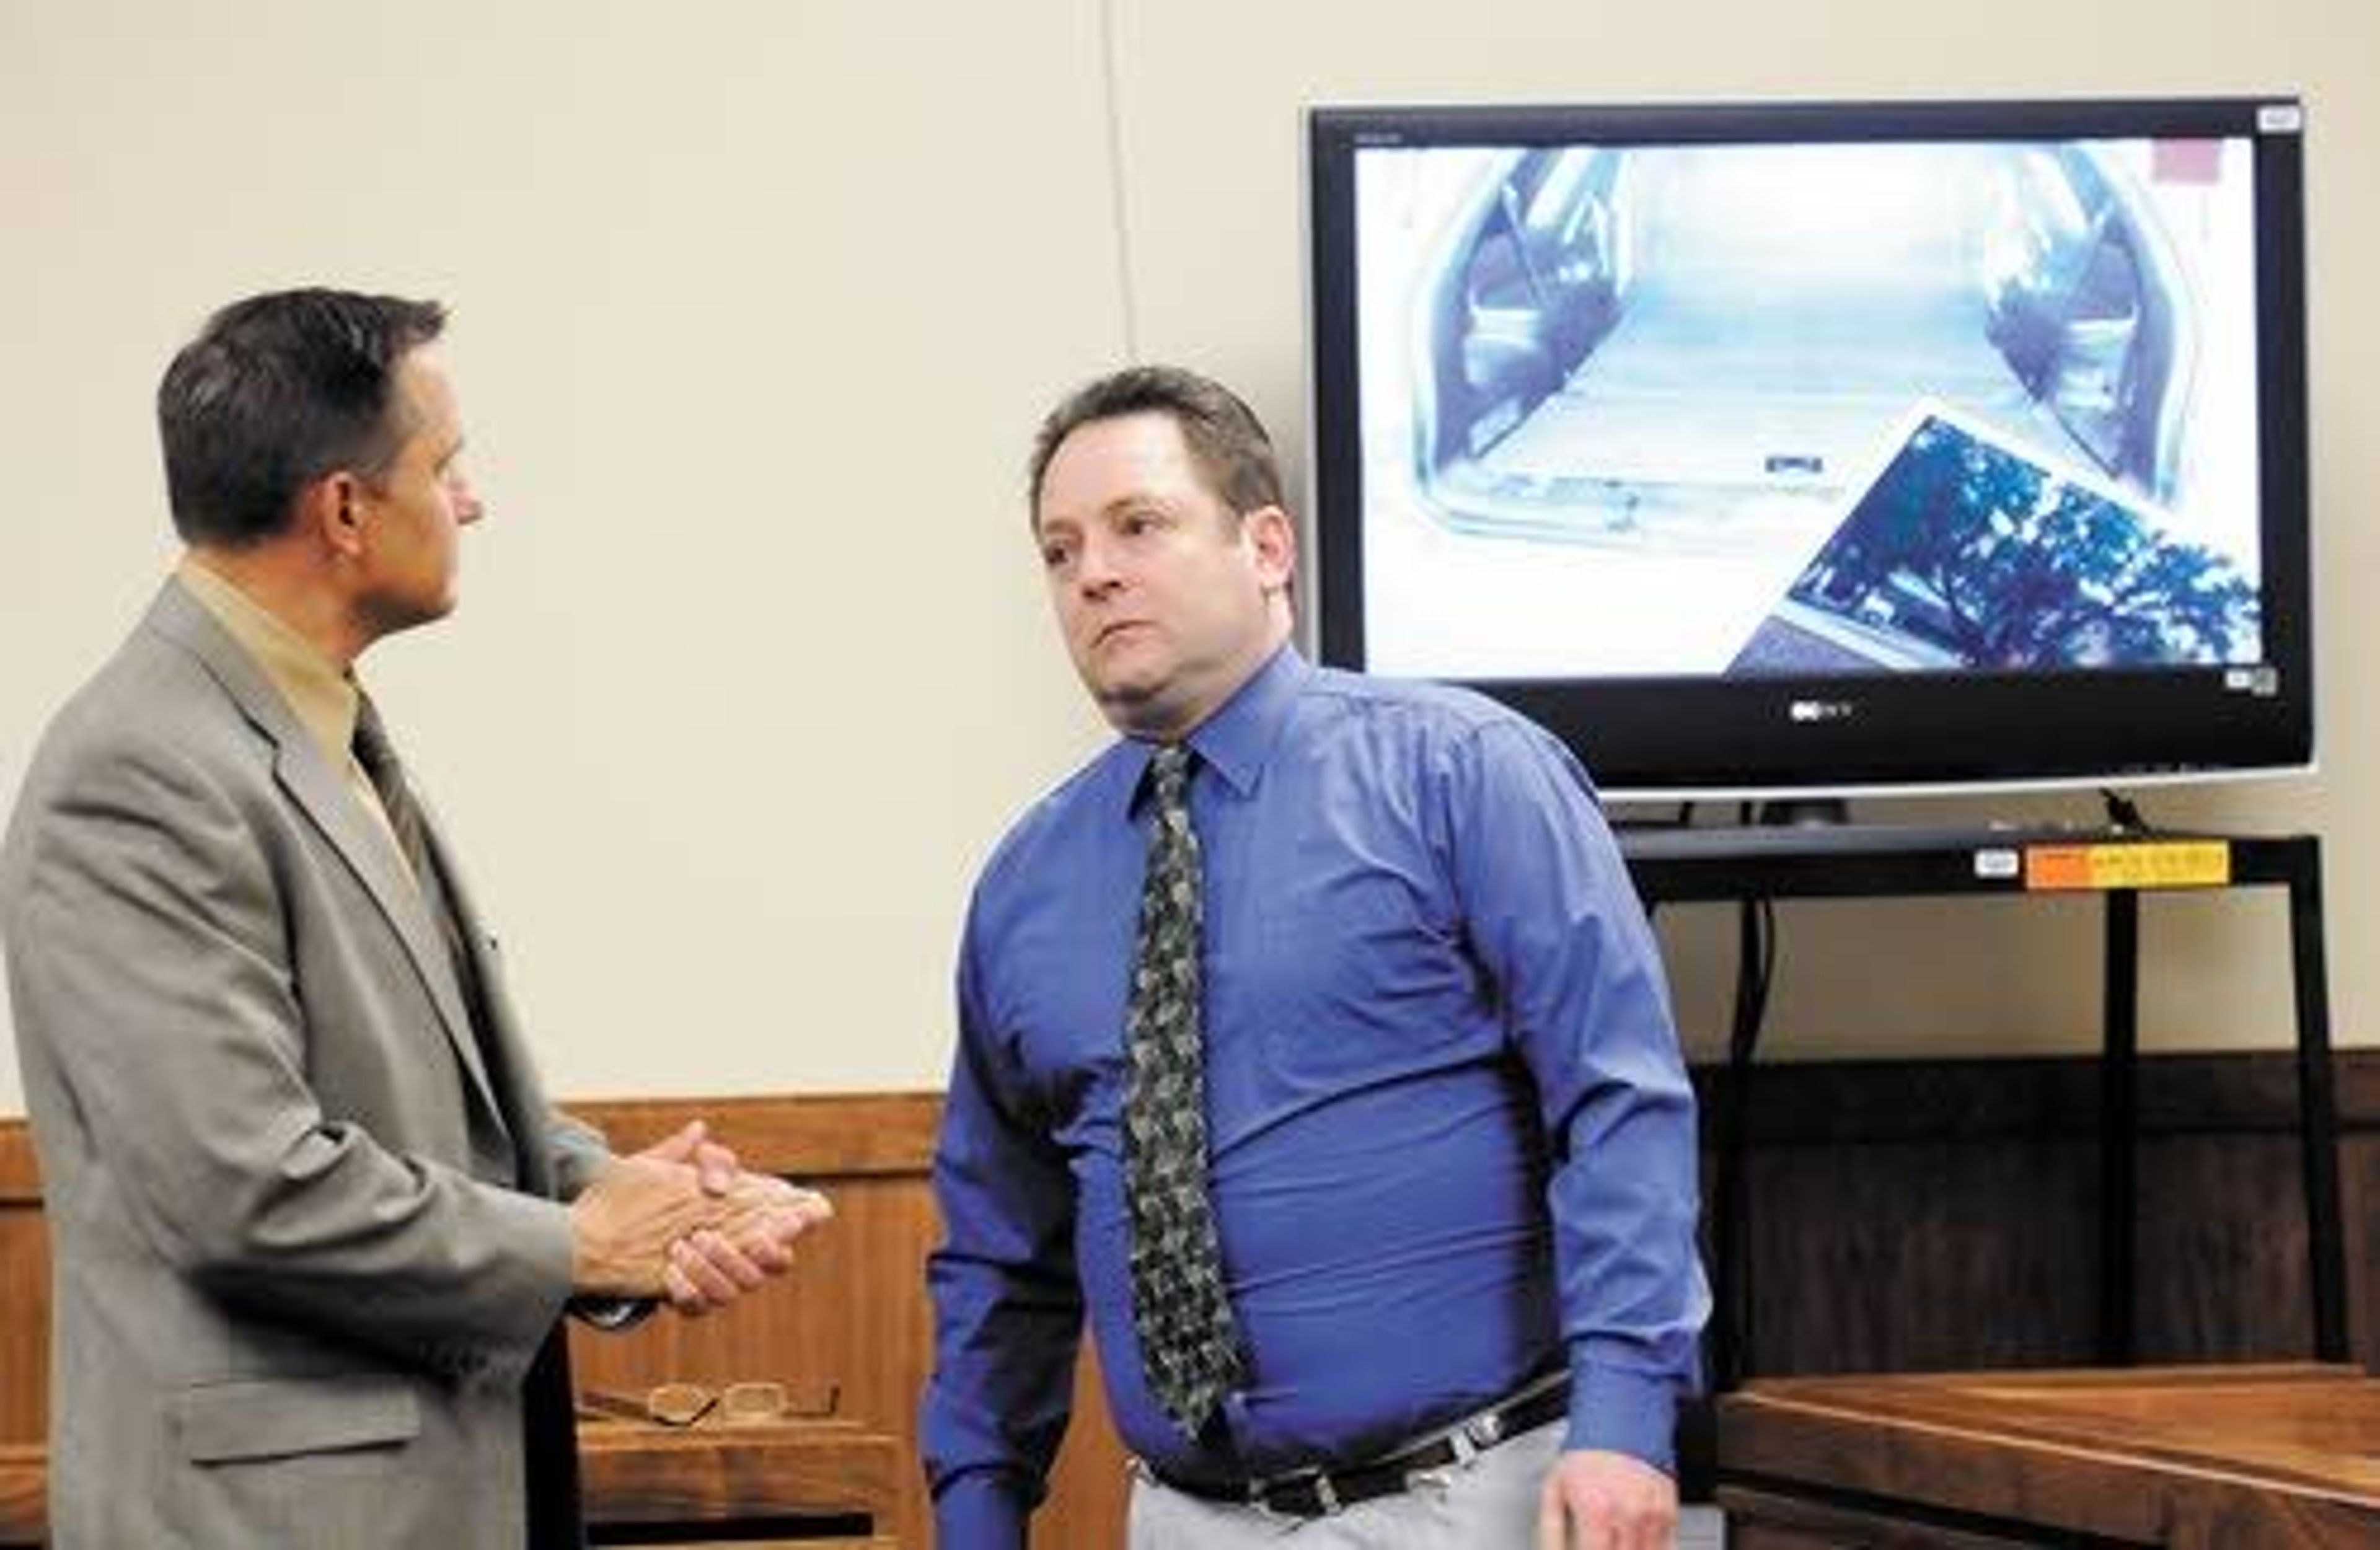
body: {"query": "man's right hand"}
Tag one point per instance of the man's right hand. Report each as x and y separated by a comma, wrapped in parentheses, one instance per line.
(714, 1267)
(624, 1224)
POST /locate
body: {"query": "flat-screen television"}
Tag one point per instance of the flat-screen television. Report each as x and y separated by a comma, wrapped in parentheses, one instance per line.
(1824, 447)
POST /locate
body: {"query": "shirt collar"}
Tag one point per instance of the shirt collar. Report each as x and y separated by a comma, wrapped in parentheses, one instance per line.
(320, 694)
(1237, 739)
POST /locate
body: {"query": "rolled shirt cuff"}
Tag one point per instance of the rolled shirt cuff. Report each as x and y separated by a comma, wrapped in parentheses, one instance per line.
(982, 1511)
(1613, 1411)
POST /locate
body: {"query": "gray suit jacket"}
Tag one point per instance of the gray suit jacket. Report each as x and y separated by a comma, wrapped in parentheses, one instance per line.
(307, 1243)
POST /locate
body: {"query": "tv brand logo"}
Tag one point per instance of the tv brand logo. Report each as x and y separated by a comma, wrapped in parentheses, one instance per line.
(1810, 712)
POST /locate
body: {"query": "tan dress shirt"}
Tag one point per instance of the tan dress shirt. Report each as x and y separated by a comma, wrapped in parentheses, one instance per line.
(323, 697)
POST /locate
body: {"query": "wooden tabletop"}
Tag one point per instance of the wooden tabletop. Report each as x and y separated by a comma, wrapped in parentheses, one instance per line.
(2231, 1456)
(714, 1473)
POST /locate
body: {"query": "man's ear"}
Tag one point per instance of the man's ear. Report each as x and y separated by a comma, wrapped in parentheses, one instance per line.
(330, 509)
(1273, 537)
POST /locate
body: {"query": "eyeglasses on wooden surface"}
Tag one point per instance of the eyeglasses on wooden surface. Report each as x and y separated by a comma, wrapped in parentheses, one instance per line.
(747, 1403)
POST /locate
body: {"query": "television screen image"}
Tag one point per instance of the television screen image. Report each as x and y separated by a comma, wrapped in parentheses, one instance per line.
(1966, 551)
(1717, 410)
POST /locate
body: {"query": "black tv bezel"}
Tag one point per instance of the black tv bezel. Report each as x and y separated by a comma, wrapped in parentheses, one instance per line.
(1683, 737)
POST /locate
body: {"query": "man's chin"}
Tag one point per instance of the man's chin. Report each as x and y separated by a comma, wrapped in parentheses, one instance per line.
(1116, 698)
(396, 618)
(1138, 709)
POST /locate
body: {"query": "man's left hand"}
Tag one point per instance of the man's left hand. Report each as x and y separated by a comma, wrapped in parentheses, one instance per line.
(1607, 1501)
(692, 1145)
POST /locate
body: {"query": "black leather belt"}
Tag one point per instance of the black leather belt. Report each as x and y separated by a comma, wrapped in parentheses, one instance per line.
(1317, 1493)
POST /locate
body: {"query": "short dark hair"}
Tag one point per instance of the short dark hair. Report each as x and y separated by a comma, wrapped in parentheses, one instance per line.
(276, 392)
(1225, 438)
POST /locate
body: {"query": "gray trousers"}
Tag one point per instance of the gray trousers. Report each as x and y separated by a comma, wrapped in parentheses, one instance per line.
(1488, 1504)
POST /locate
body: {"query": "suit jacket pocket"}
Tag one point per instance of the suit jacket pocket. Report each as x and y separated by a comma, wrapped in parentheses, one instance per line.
(275, 1418)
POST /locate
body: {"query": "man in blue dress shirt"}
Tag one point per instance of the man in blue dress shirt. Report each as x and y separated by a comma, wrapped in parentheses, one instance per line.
(1449, 1139)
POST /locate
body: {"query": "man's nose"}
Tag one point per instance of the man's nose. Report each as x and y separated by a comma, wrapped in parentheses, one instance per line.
(1095, 567)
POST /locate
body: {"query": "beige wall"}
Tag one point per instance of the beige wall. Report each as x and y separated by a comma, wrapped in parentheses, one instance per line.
(756, 301)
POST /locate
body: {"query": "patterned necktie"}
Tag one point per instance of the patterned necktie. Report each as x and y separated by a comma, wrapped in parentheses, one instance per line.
(1189, 1345)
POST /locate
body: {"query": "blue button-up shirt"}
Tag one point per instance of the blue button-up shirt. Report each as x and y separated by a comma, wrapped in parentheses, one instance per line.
(1451, 1140)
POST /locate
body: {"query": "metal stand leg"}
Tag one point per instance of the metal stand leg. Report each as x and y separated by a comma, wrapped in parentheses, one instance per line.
(2318, 1107)
(2119, 1128)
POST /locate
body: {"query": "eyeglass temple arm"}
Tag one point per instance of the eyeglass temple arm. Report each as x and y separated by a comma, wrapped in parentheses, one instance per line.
(604, 1402)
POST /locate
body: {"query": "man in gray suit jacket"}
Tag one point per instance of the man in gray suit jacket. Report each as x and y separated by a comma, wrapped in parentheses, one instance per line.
(314, 1225)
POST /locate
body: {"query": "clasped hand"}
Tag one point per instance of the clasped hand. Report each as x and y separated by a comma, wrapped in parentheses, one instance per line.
(683, 1221)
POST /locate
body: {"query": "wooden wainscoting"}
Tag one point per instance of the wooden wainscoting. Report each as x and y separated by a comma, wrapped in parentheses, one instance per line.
(24, 1329)
(24, 1291)
(1913, 1216)
(1904, 1216)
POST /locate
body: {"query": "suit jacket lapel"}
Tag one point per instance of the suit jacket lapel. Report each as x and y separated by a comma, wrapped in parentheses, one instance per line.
(322, 794)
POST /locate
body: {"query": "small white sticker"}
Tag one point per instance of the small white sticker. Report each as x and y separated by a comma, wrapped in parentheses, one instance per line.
(2280, 118)
(1996, 864)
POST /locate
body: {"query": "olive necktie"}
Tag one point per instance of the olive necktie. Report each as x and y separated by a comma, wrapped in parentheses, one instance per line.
(377, 754)
(1189, 1345)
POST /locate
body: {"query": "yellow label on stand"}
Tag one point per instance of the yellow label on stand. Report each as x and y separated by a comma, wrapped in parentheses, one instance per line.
(2138, 864)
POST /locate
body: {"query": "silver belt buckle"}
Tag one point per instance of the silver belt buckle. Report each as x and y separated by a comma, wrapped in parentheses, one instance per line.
(1484, 1431)
(1326, 1496)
